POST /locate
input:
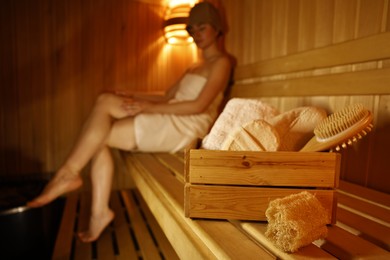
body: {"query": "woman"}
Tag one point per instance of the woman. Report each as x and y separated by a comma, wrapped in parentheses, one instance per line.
(146, 123)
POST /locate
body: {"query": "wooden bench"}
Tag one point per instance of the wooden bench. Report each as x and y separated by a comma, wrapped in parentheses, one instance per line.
(362, 229)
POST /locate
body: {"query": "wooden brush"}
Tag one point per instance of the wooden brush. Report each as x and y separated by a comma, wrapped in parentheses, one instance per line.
(340, 129)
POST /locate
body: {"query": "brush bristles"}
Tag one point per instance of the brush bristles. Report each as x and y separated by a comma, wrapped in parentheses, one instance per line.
(354, 139)
(340, 121)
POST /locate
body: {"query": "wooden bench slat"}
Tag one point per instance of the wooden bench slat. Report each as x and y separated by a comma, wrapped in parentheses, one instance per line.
(63, 244)
(369, 194)
(165, 246)
(221, 231)
(364, 206)
(366, 228)
(164, 177)
(173, 163)
(145, 241)
(222, 228)
(257, 231)
(122, 230)
(345, 245)
(186, 244)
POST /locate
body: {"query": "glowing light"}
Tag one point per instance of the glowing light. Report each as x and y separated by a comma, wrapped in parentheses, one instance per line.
(175, 23)
(174, 3)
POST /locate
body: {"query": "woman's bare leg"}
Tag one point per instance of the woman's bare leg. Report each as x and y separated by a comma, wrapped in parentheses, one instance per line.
(91, 139)
(122, 137)
(101, 178)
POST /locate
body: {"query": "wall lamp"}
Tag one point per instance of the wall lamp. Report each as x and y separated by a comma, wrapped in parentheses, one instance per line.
(176, 17)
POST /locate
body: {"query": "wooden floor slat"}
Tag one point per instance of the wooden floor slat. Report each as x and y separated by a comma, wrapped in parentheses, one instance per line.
(122, 229)
(63, 245)
(82, 250)
(146, 241)
(104, 246)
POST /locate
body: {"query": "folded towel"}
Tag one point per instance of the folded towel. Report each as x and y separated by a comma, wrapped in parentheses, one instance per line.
(296, 221)
(296, 126)
(257, 135)
(237, 112)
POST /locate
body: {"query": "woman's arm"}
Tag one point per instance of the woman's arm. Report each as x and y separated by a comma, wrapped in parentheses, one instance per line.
(163, 96)
(216, 82)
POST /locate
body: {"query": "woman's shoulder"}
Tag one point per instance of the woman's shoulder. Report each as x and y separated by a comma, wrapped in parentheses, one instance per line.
(222, 61)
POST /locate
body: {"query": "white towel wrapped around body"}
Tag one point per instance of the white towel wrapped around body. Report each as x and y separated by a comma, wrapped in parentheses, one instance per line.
(296, 221)
(237, 112)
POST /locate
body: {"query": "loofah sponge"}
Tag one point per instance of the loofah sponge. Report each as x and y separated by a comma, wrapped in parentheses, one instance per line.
(296, 221)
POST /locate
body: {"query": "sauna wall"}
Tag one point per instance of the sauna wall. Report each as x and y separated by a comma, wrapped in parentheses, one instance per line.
(261, 30)
(56, 56)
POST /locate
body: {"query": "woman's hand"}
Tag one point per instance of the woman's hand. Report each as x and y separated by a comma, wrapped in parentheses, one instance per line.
(134, 107)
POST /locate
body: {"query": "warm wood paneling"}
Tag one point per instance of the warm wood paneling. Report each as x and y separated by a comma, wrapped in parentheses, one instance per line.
(57, 55)
(311, 25)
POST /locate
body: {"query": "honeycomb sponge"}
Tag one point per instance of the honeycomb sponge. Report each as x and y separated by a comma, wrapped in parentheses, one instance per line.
(296, 221)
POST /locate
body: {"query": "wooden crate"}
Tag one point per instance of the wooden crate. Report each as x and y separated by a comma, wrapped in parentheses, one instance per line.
(240, 185)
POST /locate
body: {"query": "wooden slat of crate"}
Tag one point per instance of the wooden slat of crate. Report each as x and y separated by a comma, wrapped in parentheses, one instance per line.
(263, 168)
(245, 203)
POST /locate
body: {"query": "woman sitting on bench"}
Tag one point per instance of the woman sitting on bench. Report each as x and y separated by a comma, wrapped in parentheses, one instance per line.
(146, 123)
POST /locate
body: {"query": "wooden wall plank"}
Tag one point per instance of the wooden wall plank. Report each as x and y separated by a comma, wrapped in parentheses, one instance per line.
(57, 56)
(338, 54)
(370, 17)
(364, 83)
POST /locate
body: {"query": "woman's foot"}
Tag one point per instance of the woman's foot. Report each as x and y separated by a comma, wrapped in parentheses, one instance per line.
(96, 226)
(63, 182)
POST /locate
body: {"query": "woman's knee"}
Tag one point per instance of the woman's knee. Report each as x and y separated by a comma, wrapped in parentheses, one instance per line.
(106, 99)
(107, 102)
(122, 135)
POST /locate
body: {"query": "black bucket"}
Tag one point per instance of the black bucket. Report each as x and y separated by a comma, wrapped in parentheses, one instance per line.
(27, 233)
